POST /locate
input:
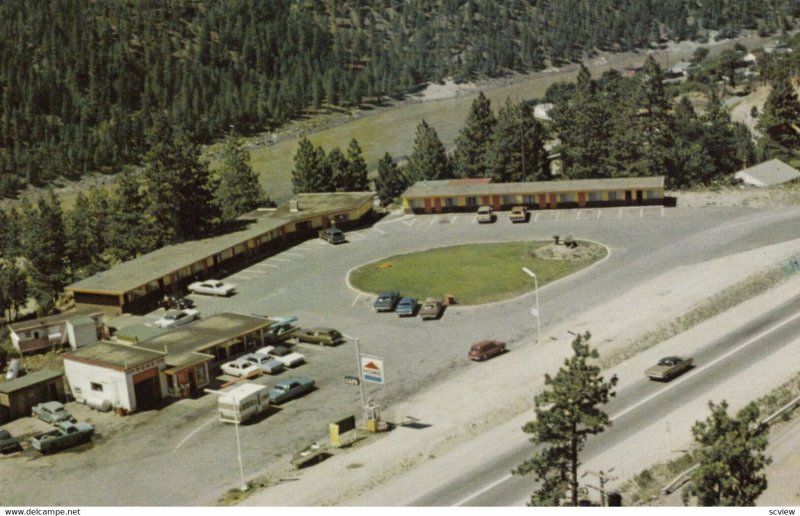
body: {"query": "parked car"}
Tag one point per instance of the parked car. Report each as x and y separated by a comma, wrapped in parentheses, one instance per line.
(175, 318)
(322, 336)
(668, 368)
(386, 301)
(486, 349)
(241, 368)
(8, 443)
(290, 388)
(287, 356)
(212, 288)
(518, 214)
(266, 363)
(66, 435)
(407, 307)
(52, 412)
(485, 214)
(332, 235)
(431, 309)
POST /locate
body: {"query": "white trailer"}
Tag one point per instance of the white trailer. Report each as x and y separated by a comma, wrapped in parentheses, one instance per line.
(242, 401)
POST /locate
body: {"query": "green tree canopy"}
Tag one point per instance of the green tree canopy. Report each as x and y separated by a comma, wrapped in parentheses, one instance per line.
(239, 190)
(516, 150)
(731, 457)
(472, 142)
(391, 181)
(428, 158)
(780, 115)
(568, 411)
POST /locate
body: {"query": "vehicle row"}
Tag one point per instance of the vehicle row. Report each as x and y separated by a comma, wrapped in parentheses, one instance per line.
(391, 301)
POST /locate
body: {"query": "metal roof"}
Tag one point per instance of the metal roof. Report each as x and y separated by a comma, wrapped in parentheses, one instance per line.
(136, 273)
(29, 380)
(446, 187)
(769, 173)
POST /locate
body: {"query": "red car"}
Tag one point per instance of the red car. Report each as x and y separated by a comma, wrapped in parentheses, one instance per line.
(486, 349)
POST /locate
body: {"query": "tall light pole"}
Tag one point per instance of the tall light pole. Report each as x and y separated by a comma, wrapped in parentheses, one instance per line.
(360, 377)
(243, 486)
(535, 310)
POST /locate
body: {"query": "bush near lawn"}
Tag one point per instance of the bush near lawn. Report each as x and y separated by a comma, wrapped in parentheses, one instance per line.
(475, 273)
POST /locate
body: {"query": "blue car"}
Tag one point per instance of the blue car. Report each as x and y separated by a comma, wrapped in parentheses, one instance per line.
(407, 307)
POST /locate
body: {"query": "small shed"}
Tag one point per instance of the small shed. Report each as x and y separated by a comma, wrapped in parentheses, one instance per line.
(769, 173)
(19, 395)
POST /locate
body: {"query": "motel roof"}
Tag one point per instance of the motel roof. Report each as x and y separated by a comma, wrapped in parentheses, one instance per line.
(455, 188)
(136, 273)
(118, 356)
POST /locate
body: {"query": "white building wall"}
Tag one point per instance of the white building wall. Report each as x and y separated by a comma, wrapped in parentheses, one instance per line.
(117, 386)
(82, 334)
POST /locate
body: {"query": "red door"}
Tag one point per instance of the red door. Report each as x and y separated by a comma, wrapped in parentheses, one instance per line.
(582, 199)
(553, 200)
(542, 201)
(496, 202)
(427, 205)
(437, 205)
(485, 200)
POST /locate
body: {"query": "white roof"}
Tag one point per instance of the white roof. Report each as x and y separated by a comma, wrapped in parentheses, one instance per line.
(240, 390)
(772, 172)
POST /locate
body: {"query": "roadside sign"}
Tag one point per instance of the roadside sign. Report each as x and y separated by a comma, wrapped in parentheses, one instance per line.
(372, 370)
(351, 380)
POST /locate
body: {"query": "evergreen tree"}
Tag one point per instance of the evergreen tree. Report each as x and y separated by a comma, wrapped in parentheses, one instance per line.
(516, 150)
(178, 185)
(568, 411)
(238, 190)
(654, 127)
(391, 182)
(472, 142)
(336, 169)
(132, 229)
(357, 171)
(13, 289)
(780, 115)
(731, 457)
(428, 157)
(84, 245)
(44, 243)
(309, 173)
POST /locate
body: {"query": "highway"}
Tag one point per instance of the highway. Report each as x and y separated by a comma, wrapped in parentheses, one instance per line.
(637, 406)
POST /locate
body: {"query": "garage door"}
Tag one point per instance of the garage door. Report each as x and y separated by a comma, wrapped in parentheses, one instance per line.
(146, 390)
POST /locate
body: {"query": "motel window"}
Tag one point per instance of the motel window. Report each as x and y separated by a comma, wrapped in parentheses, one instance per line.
(97, 387)
(152, 286)
(613, 196)
(652, 194)
(472, 201)
(567, 197)
(449, 202)
(415, 203)
(528, 199)
(509, 199)
(306, 224)
(594, 196)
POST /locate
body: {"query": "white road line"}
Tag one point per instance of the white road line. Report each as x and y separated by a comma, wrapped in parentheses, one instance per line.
(579, 215)
(213, 418)
(662, 210)
(280, 259)
(641, 212)
(289, 253)
(378, 230)
(454, 218)
(433, 220)
(598, 214)
(356, 300)
(413, 220)
(672, 385)
(474, 219)
(558, 214)
(271, 265)
(619, 216)
(537, 216)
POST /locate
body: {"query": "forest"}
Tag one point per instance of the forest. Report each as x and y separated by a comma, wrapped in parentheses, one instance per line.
(81, 83)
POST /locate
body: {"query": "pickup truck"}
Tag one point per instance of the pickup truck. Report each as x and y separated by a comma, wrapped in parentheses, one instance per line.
(332, 235)
(518, 214)
(66, 435)
(668, 368)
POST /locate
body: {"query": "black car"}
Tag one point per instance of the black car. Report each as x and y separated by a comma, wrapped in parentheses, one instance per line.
(387, 301)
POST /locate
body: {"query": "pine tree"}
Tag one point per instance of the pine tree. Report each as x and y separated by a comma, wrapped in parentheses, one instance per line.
(13, 289)
(357, 171)
(178, 184)
(309, 172)
(132, 229)
(428, 158)
(472, 142)
(568, 411)
(731, 457)
(780, 115)
(391, 182)
(238, 190)
(654, 125)
(336, 169)
(516, 150)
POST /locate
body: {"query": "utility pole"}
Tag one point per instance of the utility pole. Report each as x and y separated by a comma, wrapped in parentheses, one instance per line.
(603, 478)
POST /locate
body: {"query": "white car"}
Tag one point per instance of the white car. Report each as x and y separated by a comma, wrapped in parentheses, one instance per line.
(287, 356)
(175, 318)
(212, 288)
(241, 368)
(267, 364)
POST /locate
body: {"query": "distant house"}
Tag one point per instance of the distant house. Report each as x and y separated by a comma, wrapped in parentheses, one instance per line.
(752, 57)
(77, 328)
(769, 173)
(542, 111)
(19, 395)
(682, 69)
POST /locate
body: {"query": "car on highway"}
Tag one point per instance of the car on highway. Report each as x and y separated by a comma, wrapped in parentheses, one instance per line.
(485, 215)
(431, 309)
(668, 368)
(406, 307)
(241, 368)
(322, 336)
(386, 301)
(175, 318)
(485, 349)
(290, 388)
(212, 287)
(266, 363)
(288, 357)
(52, 412)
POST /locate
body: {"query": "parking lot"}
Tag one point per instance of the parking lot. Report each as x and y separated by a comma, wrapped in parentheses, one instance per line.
(182, 455)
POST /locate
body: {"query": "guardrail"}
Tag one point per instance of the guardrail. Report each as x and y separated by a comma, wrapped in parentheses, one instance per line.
(684, 477)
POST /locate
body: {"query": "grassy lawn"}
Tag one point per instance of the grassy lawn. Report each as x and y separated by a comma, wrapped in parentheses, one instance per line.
(475, 273)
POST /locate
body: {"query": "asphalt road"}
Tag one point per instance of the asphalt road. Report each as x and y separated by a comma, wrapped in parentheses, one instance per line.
(181, 455)
(634, 408)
